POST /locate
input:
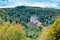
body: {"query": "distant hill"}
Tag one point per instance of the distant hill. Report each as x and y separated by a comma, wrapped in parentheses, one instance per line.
(21, 14)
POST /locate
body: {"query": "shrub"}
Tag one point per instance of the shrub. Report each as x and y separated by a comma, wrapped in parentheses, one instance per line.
(8, 31)
(13, 31)
(51, 33)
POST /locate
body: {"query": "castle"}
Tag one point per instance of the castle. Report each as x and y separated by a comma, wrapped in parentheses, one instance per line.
(34, 21)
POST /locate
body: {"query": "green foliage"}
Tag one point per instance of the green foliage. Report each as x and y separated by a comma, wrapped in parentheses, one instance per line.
(13, 31)
(9, 32)
(32, 32)
(22, 14)
(51, 33)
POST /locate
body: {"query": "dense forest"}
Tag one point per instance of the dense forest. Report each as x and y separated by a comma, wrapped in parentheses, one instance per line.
(14, 23)
(21, 14)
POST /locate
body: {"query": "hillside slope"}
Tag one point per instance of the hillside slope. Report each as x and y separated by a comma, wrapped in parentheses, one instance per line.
(21, 14)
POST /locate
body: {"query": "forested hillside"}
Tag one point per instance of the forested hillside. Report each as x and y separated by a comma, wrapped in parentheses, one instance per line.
(29, 23)
(21, 14)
